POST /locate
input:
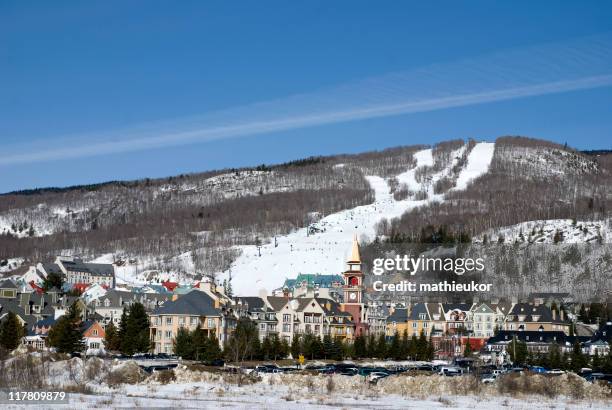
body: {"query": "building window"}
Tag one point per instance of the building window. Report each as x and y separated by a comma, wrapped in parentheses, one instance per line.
(168, 320)
(286, 328)
(421, 316)
(94, 345)
(193, 321)
(211, 323)
(262, 327)
(286, 317)
(414, 325)
(168, 334)
(95, 332)
(181, 321)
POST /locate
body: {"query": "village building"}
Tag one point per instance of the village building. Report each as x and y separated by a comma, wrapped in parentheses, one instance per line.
(535, 317)
(354, 291)
(110, 305)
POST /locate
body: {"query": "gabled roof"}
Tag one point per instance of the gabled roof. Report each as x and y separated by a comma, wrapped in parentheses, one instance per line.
(255, 303)
(398, 316)
(277, 302)
(418, 309)
(532, 312)
(97, 269)
(560, 338)
(456, 306)
(8, 284)
(52, 268)
(483, 308)
(195, 303)
(45, 322)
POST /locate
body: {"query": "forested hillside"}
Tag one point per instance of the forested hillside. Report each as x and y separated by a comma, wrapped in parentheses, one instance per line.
(199, 224)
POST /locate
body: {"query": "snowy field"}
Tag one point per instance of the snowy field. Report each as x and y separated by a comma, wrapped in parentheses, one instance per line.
(107, 384)
(326, 251)
(204, 396)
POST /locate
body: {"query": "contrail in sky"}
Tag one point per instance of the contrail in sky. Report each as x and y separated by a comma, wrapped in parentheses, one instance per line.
(530, 71)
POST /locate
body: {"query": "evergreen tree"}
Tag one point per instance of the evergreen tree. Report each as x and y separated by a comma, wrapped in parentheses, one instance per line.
(66, 335)
(11, 332)
(554, 357)
(395, 349)
(360, 348)
(578, 361)
(276, 347)
(596, 363)
(123, 326)
(242, 341)
(212, 351)
(285, 349)
(565, 362)
(111, 338)
(53, 280)
(372, 346)
(404, 345)
(136, 331)
(606, 365)
(430, 352)
(296, 347)
(467, 352)
(421, 349)
(183, 344)
(518, 351)
(413, 348)
(327, 347)
(381, 347)
(256, 351)
(266, 348)
(337, 349)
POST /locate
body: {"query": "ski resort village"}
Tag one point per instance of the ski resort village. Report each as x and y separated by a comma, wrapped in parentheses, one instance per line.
(254, 286)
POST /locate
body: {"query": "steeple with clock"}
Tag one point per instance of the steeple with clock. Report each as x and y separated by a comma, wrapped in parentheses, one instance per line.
(353, 277)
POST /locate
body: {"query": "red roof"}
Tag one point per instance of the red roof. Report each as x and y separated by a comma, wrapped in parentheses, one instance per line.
(37, 288)
(169, 285)
(80, 286)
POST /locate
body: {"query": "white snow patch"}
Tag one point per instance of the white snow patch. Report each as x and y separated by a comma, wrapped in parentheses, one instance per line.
(478, 164)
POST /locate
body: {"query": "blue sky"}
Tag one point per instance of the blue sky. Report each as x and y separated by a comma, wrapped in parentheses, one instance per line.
(78, 69)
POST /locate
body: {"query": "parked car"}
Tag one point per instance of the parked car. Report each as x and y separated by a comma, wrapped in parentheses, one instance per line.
(215, 363)
(488, 378)
(538, 369)
(451, 371)
(376, 376)
(556, 371)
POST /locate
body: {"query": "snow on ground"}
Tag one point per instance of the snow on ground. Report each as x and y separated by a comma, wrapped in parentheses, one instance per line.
(326, 250)
(544, 231)
(10, 264)
(141, 270)
(205, 396)
(478, 163)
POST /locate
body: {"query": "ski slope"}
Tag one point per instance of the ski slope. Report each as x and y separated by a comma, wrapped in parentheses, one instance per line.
(478, 163)
(326, 251)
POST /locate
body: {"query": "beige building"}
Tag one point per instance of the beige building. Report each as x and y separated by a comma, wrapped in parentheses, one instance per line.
(196, 309)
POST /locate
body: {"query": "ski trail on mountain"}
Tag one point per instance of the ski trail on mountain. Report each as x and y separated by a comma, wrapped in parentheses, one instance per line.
(326, 248)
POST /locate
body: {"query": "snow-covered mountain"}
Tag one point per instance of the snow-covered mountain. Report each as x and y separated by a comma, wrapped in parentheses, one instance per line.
(322, 246)
(267, 223)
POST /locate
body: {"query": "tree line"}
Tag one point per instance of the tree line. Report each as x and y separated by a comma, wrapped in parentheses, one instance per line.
(554, 359)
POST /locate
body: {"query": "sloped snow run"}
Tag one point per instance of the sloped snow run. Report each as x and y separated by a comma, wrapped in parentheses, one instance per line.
(478, 163)
(323, 247)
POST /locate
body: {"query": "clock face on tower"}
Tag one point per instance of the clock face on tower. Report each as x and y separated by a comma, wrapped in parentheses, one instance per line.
(352, 296)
